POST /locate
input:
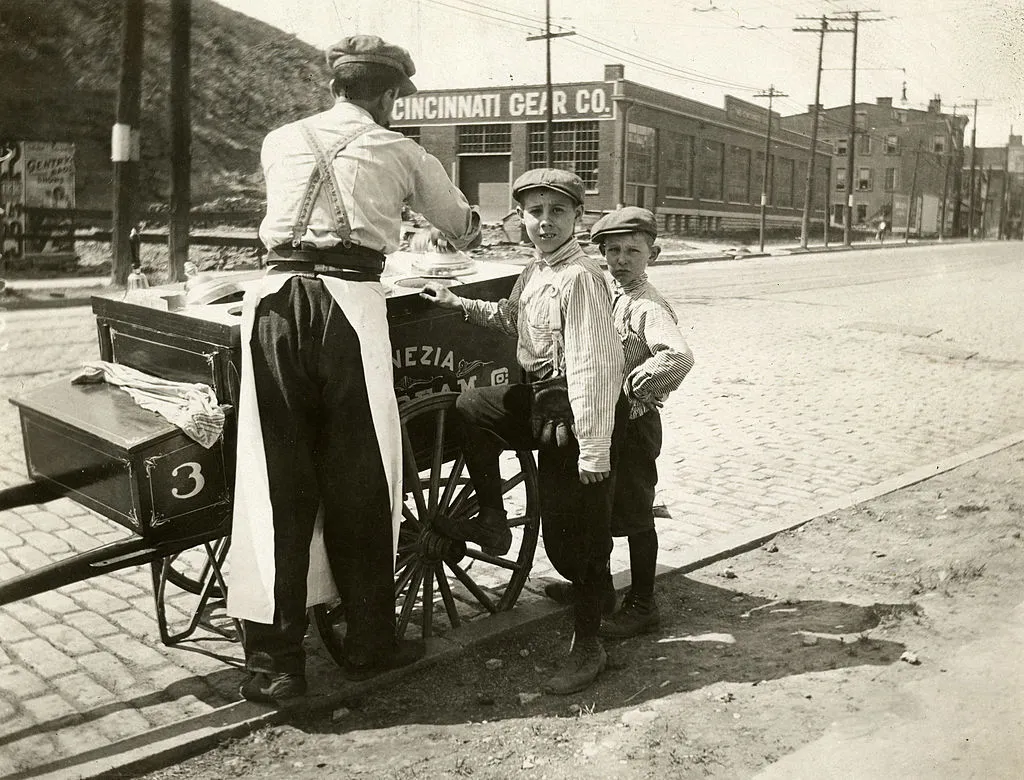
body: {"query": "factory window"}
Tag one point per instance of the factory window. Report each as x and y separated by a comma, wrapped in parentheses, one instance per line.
(485, 139)
(409, 132)
(783, 182)
(640, 149)
(890, 179)
(677, 164)
(800, 182)
(737, 175)
(840, 147)
(711, 166)
(864, 179)
(892, 144)
(840, 179)
(575, 149)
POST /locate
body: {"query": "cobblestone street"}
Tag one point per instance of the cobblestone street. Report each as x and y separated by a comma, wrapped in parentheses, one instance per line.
(816, 376)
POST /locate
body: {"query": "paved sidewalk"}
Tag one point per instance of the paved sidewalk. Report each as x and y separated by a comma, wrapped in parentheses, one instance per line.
(807, 395)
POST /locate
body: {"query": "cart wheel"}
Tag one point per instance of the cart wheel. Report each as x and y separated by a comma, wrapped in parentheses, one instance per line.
(432, 570)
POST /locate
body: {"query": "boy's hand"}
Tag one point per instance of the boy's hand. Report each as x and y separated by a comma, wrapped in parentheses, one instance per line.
(440, 295)
(593, 477)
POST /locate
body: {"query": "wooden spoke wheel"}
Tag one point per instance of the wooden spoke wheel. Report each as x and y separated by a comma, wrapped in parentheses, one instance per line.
(434, 575)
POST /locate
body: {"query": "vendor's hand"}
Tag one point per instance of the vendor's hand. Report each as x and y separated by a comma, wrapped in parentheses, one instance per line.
(439, 294)
(432, 240)
(593, 477)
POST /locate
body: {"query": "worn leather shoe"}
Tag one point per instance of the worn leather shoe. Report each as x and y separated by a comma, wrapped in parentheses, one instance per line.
(278, 689)
(488, 529)
(636, 616)
(407, 651)
(562, 593)
(586, 661)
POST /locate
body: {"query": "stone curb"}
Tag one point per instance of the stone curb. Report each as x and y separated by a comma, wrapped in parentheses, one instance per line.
(169, 744)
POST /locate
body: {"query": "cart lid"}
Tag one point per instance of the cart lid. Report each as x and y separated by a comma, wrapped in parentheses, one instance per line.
(104, 411)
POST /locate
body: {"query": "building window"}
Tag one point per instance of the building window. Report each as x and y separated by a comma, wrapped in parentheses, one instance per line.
(737, 175)
(864, 179)
(711, 167)
(862, 213)
(892, 144)
(939, 144)
(840, 147)
(800, 182)
(840, 179)
(890, 179)
(485, 139)
(640, 149)
(783, 182)
(677, 164)
(864, 145)
(576, 149)
(409, 132)
(839, 214)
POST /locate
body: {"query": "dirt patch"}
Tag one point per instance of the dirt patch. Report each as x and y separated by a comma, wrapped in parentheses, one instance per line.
(755, 657)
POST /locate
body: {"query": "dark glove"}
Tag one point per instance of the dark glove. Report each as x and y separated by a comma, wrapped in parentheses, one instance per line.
(550, 413)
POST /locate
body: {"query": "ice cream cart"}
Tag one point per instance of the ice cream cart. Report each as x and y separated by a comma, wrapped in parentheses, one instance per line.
(93, 444)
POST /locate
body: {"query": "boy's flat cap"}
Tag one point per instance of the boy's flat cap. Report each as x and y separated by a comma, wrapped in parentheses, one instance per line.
(557, 179)
(370, 48)
(628, 219)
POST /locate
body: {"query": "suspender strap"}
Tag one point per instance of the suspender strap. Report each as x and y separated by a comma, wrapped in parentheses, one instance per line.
(323, 175)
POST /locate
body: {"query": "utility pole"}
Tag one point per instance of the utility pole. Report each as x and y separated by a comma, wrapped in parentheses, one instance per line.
(181, 137)
(805, 222)
(974, 151)
(852, 17)
(913, 192)
(771, 94)
(124, 139)
(548, 122)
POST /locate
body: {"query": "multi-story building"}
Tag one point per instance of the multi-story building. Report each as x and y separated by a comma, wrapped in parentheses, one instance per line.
(700, 168)
(906, 167)
(998, 181)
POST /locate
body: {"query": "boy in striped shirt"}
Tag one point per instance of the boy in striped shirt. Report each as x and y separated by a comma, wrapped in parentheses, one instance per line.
(657, 359)
(560, 311)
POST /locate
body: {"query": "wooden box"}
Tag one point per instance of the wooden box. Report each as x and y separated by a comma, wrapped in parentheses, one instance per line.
(97, 446)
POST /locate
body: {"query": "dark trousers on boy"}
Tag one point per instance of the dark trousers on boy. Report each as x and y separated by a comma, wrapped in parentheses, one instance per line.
(575, 518)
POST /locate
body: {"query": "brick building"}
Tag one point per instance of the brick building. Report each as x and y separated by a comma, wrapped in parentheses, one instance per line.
(998, 181)
(900, 154)
(700, 168)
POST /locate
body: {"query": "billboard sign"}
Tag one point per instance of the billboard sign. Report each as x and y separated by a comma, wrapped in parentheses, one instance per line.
(503, 105)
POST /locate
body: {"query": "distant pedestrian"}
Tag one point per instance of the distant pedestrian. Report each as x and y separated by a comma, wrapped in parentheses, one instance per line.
(881, 232)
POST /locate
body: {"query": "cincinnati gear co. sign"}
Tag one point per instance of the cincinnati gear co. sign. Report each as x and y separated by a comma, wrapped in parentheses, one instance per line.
(529, 104)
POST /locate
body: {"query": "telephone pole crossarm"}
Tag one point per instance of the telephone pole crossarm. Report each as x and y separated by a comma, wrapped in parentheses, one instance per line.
(547, 35)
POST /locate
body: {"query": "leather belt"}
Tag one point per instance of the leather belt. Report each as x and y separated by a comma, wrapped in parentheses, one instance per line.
(337, 258)
(313, 270)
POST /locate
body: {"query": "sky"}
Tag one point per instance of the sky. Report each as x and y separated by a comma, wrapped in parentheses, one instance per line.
(960, 50)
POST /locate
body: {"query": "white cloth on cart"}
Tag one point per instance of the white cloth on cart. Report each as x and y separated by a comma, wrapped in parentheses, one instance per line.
(192, 406)
(251, 569)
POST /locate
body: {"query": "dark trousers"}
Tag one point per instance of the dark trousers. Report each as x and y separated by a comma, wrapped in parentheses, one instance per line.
(320, 446)
(575, 518)
(636, 477)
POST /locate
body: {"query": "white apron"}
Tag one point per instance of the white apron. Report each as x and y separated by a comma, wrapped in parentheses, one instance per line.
(251, 572)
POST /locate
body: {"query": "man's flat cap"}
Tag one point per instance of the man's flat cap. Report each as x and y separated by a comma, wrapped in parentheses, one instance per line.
(370, 48)
(629, 219)
(557, 179)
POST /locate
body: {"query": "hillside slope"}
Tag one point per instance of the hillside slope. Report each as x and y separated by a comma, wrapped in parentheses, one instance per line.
(59, 76)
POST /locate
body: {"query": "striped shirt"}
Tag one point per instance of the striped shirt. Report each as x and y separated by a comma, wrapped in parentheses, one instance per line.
(560, 311)
(377, 172)
(657, 357)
